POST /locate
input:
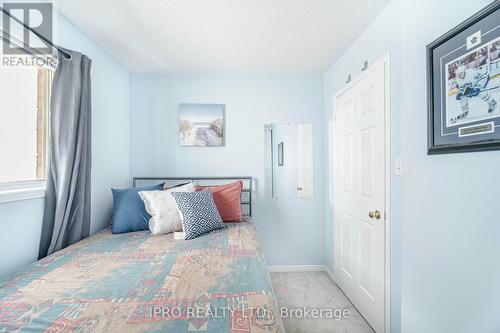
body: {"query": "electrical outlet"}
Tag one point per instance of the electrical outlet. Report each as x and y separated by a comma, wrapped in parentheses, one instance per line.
(398, 167)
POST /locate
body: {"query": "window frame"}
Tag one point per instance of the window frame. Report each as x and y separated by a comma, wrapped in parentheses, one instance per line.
(34, 189)
(22, 190)
(45, 77)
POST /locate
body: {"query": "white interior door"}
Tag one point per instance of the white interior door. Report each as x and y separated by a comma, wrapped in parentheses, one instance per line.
(359, 194)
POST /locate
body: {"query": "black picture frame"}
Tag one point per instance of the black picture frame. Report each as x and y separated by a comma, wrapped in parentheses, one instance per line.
(476, 143)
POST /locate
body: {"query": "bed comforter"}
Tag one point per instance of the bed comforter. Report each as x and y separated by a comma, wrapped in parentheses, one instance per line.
(137, 282)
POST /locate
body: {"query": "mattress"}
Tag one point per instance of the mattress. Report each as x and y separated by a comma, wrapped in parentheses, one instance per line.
(137, 282)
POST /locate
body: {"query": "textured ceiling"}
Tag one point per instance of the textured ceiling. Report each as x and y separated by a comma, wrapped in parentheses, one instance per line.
(223, 36)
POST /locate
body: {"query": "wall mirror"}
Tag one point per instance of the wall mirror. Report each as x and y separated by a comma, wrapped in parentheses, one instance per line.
(289, 160)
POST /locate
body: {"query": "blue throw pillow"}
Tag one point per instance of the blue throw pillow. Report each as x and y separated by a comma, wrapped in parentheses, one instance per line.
(129, 213)
(198, 212)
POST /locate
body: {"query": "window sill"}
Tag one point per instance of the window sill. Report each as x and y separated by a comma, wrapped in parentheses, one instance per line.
(22, 190)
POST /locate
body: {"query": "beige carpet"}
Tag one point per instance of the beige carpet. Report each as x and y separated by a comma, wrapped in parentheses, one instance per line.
(315, 290)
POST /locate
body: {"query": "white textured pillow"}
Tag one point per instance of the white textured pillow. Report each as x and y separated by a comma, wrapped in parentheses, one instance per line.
(165, 217)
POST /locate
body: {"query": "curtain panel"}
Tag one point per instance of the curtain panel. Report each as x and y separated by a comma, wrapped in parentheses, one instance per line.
(66, 217)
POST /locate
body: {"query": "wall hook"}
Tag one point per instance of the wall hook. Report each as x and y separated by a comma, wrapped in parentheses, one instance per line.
(348, 79)
(365, 66)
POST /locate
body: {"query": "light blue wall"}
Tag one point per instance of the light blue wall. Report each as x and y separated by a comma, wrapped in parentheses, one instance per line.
(291, 230)
(110, 122)
(444, 231)
(20, 228)
(444, 228)
(20, 222)
(451, 223)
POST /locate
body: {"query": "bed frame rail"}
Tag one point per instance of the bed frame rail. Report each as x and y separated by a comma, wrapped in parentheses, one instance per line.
(246, 195)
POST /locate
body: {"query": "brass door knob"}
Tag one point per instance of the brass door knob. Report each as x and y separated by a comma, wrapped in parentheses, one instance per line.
(375, 214)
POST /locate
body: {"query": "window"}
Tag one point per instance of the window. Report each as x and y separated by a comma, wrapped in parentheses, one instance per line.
(24, 131)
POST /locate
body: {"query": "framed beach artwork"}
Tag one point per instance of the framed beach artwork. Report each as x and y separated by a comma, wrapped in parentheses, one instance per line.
(202, 125)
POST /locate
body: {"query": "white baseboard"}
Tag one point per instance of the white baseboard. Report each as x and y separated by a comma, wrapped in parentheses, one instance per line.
(329, 272)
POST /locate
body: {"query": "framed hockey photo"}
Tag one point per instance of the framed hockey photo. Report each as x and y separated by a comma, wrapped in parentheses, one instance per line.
(463, 86)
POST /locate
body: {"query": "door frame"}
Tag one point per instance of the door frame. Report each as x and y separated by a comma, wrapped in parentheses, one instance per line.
(385, 61)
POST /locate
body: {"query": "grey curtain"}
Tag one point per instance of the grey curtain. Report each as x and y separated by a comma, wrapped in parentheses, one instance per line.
(66, 217)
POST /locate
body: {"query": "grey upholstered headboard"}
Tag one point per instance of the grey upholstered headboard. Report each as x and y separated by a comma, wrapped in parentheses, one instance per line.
(246, 195)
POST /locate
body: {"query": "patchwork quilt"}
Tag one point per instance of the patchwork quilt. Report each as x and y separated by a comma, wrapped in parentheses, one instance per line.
(136, 282)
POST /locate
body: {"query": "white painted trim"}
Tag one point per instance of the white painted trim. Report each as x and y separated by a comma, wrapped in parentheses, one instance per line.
(388, 173)
(297, 268)
(22, 190)
(329, 272)
(386, 61)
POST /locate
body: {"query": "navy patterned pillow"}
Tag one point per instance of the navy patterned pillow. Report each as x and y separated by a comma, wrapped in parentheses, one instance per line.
(198, 213)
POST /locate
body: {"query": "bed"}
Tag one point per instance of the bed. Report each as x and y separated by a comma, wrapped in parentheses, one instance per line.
(137, 282)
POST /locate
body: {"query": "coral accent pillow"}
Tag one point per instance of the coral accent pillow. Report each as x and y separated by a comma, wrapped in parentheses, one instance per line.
(227, 198)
